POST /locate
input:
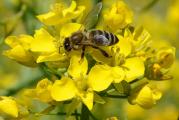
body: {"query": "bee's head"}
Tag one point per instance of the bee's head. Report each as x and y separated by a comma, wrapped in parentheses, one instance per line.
(77, 37)
(67, 44)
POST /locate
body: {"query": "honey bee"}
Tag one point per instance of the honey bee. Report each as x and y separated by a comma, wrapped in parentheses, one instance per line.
(93, 38)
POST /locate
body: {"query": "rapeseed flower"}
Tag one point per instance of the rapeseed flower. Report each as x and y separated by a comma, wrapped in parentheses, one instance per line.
(118, 17)
(75, 84)
(8, 106)
(146, 97)
(20, 50)
(48, 49)
(61, 14)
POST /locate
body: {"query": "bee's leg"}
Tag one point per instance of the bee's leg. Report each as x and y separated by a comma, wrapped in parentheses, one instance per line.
(82, 54)
(102, 51)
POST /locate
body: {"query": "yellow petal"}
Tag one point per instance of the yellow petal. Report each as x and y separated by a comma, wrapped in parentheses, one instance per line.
(70, 9)
(55, 56)
(69, 28)
(166, 57)
(78, 66)
(60, 15)
(23, 40)
(43, 42)
(140, 38)
(63, 89)
(118, 74)
(51, 18)
(146, 97)
(43, 90)
(8, 106)
(20, 55)
(135, 68)
(125, 46)
(87, 98)
(20, 49)
(73, 11)
(99, 77)
(12, 41)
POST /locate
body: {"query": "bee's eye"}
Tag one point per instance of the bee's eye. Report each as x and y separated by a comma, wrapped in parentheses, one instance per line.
(67, 45)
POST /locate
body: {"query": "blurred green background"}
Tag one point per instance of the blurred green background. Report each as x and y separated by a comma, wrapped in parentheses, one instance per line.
(159, 17)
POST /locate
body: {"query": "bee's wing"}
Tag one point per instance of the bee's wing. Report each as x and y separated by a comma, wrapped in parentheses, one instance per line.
(101, 40)
(98, 40)
(92, 18)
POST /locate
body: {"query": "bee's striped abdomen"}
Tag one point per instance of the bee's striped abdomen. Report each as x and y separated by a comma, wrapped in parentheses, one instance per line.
(111, 37)
(103, 37)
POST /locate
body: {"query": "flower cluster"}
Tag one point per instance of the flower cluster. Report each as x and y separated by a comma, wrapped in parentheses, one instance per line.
(73, 80)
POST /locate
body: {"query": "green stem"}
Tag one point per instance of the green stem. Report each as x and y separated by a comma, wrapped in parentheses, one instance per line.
(76, 116)
(115, 96)
(112, 96)
(48, 72)
(73, 114)
(32, 82)
(59, 113)
(84, 113)
(92, 116)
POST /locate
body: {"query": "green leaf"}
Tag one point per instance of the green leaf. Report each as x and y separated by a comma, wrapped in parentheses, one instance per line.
(122, 88)
(92, 17)
(98, 99)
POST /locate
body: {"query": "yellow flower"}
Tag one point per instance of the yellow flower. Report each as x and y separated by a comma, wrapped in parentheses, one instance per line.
(118, 17)
(134, 68)
(146, 97)
(69, 28)
(139, 39)
(20, 50)
(43, 90)
(41, 93)
(63, 89)
(101, 76)
(76, 68)
(60, 14)
(75, 87)
(8, 106)
(166, 57)
(46, 46)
